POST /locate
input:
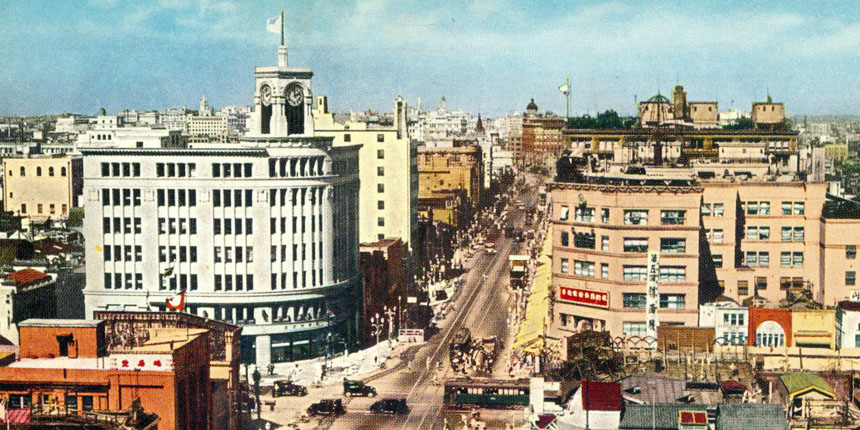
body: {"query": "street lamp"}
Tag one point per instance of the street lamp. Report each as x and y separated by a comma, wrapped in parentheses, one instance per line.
(376, 323)
(389, 312)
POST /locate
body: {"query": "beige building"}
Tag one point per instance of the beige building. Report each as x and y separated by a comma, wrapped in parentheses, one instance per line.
(206, 128)
(388, 170)
(602, 233)
(740, 236)
(768, 115)
(453, 176)
(38, 188)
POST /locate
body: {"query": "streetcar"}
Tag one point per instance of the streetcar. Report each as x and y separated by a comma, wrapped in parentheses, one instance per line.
(465, 393)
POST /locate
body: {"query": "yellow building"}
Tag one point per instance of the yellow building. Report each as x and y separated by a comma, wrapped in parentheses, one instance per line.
(37, 188)
(446, 171)
(836, 151)
(388, 198)
(814, 328)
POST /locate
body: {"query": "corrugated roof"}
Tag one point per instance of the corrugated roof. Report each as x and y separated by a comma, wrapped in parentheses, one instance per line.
(40, 322)
(26, 276)
(662, 415)
(750, 416)
(798, 383)
(601, 396)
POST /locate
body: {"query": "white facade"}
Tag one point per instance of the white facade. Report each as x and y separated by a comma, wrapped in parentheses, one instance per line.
(389, 171)
(729, 320)
(848, 325)
(264, 234)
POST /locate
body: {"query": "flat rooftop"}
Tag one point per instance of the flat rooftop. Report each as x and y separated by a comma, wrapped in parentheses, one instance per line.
(41, 322)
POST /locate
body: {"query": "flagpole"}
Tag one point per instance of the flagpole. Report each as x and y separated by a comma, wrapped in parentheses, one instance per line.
(567, 82)
(282, 28)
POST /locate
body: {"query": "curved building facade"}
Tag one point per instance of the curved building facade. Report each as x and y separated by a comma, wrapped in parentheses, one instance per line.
(263, 233)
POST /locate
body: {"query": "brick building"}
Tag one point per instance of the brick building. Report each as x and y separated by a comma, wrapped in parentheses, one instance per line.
(383, 275)
(69, 368)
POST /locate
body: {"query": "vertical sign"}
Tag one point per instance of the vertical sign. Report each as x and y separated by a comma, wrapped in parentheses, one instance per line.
(652, 296)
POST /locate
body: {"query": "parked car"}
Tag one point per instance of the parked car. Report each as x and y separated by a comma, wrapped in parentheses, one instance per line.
(288, 388)
(390, 406)
(327, 407)
(357, 388)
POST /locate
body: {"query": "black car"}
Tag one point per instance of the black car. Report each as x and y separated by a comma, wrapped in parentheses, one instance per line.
(288, 388)
(390, 406)
(357, 388)
(327, 407)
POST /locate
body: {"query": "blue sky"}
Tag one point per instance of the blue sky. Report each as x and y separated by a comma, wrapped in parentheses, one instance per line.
(483, 56)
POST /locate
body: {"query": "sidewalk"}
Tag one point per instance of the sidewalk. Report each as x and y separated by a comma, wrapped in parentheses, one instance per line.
(352, 366)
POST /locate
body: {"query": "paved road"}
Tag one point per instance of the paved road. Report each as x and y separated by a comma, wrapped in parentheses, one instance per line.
(482, 305)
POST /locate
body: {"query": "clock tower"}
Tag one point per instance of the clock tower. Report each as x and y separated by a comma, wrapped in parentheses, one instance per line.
(282, 100)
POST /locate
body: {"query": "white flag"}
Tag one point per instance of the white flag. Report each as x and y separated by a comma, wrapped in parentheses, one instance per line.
(564, 88)
(274, 24)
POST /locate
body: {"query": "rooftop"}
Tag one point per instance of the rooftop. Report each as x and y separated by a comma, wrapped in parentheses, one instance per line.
(750, 416)
(799, 383)
(655, 416)
(40, 322)
(601, 396)
(27, 276)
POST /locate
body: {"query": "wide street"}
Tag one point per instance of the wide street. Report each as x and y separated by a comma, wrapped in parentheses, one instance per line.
(483, 303)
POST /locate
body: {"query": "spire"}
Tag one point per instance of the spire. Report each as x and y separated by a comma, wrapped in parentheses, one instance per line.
(480, 127)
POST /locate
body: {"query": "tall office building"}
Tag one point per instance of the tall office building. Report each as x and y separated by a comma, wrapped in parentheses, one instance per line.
(249, 232)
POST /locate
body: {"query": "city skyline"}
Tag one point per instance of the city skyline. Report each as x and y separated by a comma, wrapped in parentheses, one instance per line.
(487, 57)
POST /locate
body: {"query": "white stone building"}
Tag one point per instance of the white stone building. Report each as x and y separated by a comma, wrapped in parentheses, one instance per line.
(729, 320)
(264, 233)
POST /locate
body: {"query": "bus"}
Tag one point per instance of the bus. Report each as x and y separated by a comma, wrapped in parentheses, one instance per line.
(466, 393)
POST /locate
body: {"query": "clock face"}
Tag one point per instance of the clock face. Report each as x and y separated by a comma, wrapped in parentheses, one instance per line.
(266, 95)
(294, 94)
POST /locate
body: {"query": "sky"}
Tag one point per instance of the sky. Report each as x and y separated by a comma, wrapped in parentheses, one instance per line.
(486, 57)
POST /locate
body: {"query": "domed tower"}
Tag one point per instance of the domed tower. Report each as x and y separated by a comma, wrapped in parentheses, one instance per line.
(532, 108)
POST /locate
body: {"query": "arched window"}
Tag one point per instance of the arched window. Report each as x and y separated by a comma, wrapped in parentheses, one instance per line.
(770, 333)
(23, 171)
(38, 171)
(62, 171)
(50, 171)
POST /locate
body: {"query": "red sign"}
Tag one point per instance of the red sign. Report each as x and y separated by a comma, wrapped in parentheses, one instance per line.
(584, 297)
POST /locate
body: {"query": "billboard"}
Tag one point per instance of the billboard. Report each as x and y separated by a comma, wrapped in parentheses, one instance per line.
(652, 295)
(581, 296)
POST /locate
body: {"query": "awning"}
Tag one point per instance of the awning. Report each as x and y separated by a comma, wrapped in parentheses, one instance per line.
(531, 335)
(17, 416)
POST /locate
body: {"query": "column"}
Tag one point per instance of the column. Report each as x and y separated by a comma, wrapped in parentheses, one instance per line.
(327, 234)
(263, 346)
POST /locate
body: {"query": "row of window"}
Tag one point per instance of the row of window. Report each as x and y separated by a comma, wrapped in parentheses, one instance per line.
(232, 198)
(178, 282)
(122, 225)
(121, 197)
(170, 254)
(175, 170)
(667, 301)
(123, 281)
(668, 245)
(177, 225)
(232, 170)
(315, 275)
(123, 253)
(717, 211)
(118, 170)
(296, 167)
(631, 216)
(239, 254)
(299, 224)
(233, 226)
(177, 198)
(762, 208)
(315, 249)
(23, 171)
(229, 282)
(52, 208)
(668, 274)
(296, 196)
